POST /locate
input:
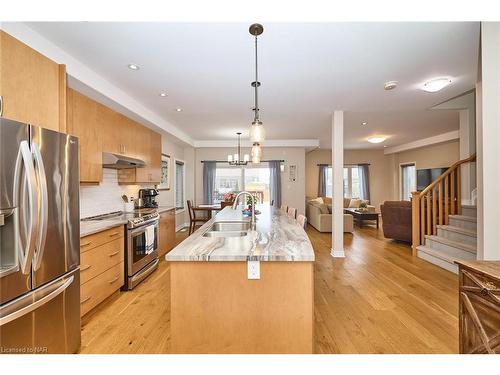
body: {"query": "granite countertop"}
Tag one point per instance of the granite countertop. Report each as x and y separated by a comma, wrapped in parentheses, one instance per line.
(276, 238)
(95, 226)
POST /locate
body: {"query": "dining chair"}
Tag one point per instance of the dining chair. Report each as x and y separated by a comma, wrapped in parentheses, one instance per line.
(284, 208)
(292, 212)
(192, 217)
(302, 220)
(272, 202)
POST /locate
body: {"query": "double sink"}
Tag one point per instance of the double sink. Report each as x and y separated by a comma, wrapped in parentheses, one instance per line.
(228, 229)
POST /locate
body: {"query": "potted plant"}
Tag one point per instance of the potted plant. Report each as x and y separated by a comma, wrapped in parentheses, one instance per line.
(363, 207)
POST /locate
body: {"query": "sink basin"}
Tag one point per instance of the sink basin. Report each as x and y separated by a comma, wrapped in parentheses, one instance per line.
(225, 234)
(228, 229)
(230, 226)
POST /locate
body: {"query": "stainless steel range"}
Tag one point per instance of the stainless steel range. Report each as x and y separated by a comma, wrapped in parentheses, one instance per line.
(141, 255)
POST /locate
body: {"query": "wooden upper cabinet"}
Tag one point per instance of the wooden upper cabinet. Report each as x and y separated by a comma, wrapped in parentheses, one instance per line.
(33, 87)
(147, 148)
(84, 122)
(112, 130)
(155, 156)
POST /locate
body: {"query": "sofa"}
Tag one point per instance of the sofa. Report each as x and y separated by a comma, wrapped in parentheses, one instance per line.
(319, 213)
(396, 220)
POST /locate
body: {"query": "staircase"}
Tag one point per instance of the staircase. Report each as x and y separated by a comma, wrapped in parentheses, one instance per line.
(444, 230)
(454, 241)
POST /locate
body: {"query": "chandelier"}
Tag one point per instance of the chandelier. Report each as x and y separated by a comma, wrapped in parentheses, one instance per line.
(235, 159)
(257, 131)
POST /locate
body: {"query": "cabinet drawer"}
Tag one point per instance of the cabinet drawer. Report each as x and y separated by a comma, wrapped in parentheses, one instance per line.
(99, 259)
(94, 240)
(100, 287)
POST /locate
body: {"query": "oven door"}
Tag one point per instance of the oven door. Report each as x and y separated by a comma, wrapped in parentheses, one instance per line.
(139, 254)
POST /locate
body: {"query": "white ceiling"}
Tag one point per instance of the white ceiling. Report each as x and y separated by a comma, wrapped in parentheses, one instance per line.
(306, 70)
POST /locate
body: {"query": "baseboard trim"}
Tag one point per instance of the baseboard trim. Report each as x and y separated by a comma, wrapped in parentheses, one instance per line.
(338, 253)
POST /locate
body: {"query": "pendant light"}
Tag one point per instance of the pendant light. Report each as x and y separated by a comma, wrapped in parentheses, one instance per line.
(236, 158)
(256, 153)
(257, 131)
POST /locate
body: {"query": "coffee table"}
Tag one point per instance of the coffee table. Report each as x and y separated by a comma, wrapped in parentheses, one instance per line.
(362, 216)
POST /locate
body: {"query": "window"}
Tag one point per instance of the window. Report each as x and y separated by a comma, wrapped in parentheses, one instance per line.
(227, 180)
(235, 179)
(352, 188)
(329, 182)
(408, 180)
(179, 185)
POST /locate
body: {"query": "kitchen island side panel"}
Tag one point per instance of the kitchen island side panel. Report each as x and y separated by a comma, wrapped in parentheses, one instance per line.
(216, 309)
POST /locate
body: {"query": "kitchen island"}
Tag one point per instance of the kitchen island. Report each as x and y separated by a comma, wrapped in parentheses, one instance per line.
(236, 289)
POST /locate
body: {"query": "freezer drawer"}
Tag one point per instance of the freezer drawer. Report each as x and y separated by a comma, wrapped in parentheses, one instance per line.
(46, 320)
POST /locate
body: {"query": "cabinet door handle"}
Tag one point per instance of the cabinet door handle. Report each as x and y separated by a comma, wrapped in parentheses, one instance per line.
(86, 244)
(115, 279)
(85, 300)
(114, 234)
(85, 268)
(1, 105)
(113, 254)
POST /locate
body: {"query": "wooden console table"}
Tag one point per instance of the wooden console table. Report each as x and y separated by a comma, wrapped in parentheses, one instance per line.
(479, 310)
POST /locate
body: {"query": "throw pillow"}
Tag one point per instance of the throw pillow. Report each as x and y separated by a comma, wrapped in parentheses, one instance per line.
(329, 208)
(327, 200)
(317, 200)
(347, 202)
(323, 208)
(354, 203)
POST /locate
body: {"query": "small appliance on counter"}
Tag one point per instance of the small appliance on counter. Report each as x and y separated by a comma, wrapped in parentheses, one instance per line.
(147, 198)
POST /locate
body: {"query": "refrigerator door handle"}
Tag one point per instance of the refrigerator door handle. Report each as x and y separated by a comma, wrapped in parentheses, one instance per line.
(44, 202)
(17, 313)
(26, 252)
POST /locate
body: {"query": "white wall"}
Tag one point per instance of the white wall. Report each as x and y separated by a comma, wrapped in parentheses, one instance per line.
(293, 193)
(105, 197)
(488, 138)
(176, 150)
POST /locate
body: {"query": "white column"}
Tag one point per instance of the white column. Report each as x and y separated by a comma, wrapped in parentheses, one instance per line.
(488, 138)
(338, 184)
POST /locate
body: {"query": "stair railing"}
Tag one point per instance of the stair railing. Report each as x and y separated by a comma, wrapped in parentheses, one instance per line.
(433, 205)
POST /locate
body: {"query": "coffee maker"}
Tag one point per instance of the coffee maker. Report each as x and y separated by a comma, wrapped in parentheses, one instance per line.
(148, 198)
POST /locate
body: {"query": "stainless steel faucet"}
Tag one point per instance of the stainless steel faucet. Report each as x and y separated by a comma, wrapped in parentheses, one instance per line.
(235, 204)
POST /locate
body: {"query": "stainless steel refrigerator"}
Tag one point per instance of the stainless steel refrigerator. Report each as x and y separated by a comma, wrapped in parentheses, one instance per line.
(39, 240)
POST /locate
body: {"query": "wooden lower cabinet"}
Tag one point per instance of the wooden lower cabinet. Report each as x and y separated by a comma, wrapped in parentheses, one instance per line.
(479, 310)
(167, 232)
(101, 267)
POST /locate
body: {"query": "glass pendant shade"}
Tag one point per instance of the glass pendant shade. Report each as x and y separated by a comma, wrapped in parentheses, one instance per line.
(230, 158)
(256, 153)
(246, 158)
(257, 132)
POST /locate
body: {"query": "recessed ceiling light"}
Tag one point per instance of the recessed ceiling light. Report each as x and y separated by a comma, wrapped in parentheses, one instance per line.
(376, 139)
(436, 84)
(390, 85)
(178, 109)
(163, 94)
(133, 67)
(364, 123)
(385, 146)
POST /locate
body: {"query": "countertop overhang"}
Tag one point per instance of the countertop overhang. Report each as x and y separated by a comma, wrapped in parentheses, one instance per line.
(277, 237)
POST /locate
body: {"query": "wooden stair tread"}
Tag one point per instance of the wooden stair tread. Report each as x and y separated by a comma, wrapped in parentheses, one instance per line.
(458, 245)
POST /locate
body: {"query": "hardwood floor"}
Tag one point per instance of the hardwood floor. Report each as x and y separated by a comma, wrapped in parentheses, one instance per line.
(379, 299)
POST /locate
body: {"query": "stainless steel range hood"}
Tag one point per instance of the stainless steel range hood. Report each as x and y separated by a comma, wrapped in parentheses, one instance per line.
(116, 161)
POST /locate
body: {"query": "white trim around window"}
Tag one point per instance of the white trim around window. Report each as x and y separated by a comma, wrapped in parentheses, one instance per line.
(182, 207)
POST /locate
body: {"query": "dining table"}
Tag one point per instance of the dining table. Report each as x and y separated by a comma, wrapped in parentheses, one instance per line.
(208, 208)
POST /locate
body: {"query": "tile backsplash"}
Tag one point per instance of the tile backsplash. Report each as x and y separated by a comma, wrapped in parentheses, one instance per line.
(105, 197)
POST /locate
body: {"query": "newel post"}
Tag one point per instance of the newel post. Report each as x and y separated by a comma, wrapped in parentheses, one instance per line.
(415, 221)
